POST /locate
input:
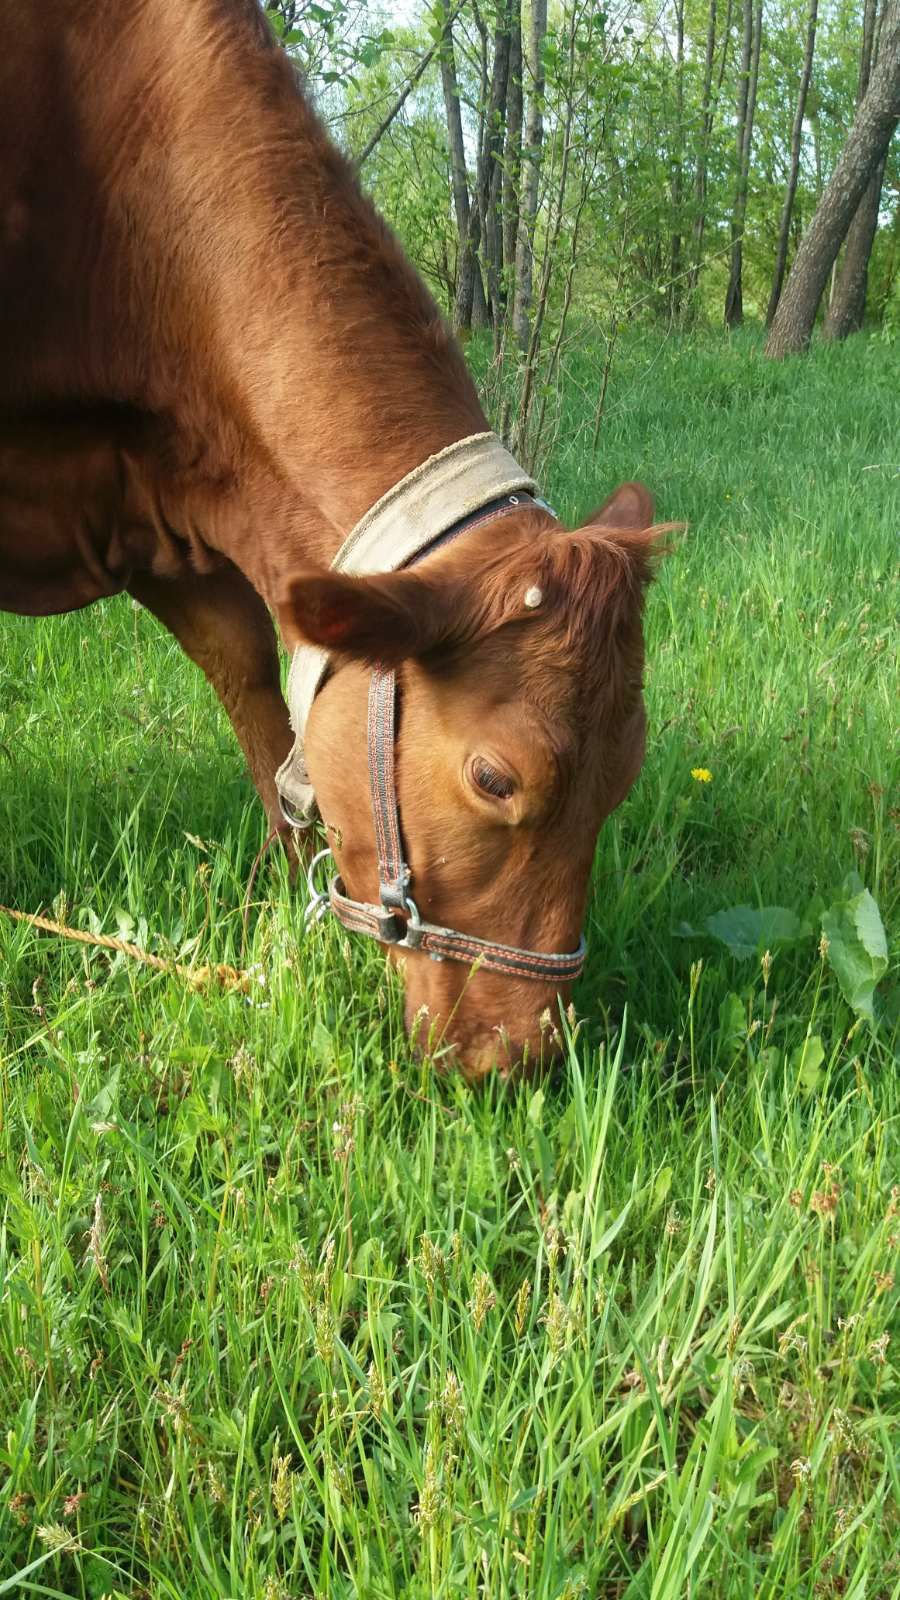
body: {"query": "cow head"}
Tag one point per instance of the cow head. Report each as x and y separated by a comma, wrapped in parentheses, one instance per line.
(519, 654)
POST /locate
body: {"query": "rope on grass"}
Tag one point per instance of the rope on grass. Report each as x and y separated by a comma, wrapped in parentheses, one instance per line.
(196, 977)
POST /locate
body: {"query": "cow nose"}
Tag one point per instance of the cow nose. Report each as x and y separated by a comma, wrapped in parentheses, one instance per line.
(510, 1058)
(470, 1045)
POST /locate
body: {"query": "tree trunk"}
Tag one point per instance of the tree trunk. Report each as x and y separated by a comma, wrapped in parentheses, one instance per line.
(886, 287)
(676, 286)
(866, 50)
(492, 167)
(784, 227)
(734, 297)
(532, 150)
(467, 264)
(470, 308)
(847, 306)
(703, 151)
(512, 160)
(860, 158)
(710, 100)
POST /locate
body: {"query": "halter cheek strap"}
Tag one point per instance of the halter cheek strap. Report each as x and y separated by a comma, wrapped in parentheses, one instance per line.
(396, 919)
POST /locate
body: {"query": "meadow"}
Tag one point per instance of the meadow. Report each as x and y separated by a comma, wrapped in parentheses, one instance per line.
(287, 1313)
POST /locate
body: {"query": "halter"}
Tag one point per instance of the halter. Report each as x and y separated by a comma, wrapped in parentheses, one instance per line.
(395, 920)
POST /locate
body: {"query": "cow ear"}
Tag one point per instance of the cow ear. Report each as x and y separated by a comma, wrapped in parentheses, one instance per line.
(384, 618)
(630, 506)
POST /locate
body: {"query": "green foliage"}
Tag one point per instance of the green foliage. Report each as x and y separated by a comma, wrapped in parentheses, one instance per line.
(282, 1311)
(748, 930)
(857, 947)
(634, 135)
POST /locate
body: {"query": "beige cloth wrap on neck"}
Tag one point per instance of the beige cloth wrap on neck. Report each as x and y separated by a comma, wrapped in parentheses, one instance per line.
(446, 488)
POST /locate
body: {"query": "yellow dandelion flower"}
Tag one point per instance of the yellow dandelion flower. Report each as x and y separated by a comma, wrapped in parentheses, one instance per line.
(701, 774)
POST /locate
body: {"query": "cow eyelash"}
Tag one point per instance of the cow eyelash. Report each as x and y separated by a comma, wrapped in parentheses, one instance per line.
(490, 781)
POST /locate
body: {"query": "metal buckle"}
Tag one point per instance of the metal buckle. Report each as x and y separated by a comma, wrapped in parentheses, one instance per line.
(414, 931)
(393, 896)
(319, 903)
(390, 926)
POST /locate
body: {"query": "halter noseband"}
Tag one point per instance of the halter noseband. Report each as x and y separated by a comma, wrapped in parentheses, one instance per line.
(396, 920)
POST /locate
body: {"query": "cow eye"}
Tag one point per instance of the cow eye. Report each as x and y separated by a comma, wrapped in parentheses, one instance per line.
(491, 782)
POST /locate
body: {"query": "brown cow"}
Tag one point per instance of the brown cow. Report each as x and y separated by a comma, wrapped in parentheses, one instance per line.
(214, 359)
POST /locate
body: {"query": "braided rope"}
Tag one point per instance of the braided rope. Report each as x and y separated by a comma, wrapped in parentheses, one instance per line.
(197, 977)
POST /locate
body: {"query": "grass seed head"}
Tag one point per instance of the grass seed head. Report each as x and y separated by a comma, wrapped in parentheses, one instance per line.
(18, 1508)
(95, 1245)
(555, 1241)
(301, 1264)
(483, 1300)
(523, 1300)
(282, 1477)
(825, 1201)
(59, 1539)
(428, 1510)
(844, 1437)
(325, 1334)
(344, 1129)
(326, 1271)
(877, 1350)
(556, 1321)
(377, 1394)
(453, 1405)
(432, 1263)
(243, 1067)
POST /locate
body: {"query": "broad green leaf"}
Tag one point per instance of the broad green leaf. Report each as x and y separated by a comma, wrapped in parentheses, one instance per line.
(536, 1108)
(806, 1062)
(749, 930)
(661, 1186)
(857, 947)
(733, 1019)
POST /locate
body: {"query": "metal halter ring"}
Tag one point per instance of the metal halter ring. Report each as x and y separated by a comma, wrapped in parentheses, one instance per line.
(319, 903)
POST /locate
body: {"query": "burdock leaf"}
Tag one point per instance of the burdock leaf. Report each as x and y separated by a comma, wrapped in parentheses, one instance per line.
(749, 930)
(857, 947)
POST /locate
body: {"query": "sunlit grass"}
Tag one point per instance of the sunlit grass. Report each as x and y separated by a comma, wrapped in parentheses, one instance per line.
(284, 1313)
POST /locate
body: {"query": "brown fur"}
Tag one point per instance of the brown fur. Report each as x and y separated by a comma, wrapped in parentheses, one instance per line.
(215, 358)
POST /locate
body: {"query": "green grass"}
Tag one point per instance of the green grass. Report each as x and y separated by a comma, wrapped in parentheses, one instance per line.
(283, 1313)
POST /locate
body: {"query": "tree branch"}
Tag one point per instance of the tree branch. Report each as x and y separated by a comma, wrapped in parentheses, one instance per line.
(406, 91)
